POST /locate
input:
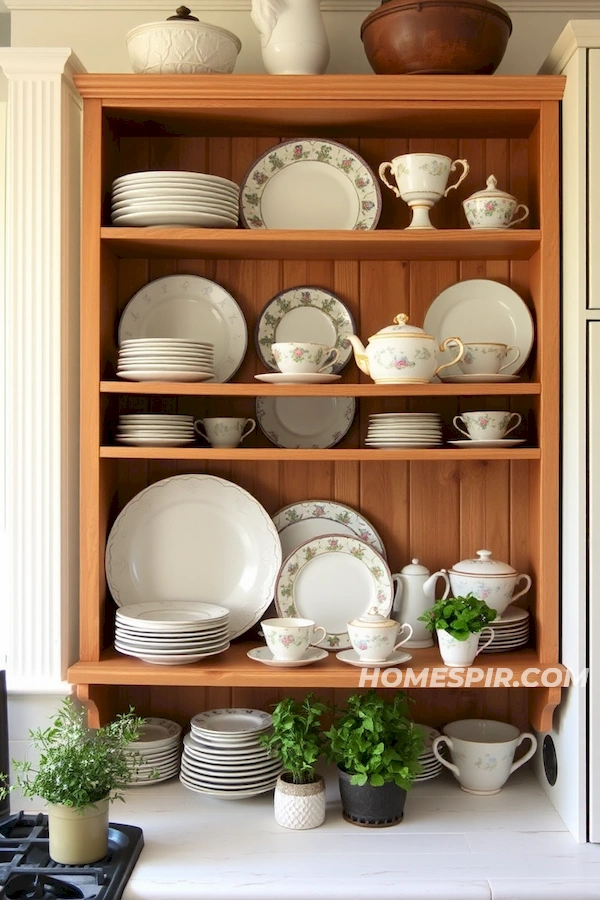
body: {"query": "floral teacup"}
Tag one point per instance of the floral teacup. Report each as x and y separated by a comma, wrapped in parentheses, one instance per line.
(290, 638)
(487, 357)
(486, 425)
(303, 356)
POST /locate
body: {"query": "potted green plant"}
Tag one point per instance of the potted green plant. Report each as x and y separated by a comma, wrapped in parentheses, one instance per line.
(297, 741)
(376, 747)
(458, 623)
(80, 770)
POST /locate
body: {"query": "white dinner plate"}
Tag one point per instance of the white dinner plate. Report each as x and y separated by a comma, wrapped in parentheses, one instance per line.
(144, 418)
(479, 379)
(299, 522)
(504, 442)
(196, 538)
(305, 313)
(265, 656)
(228, 755)
(152, 176)
(231, 722)
(139, 649)
(176, 192)
(173, 219)
(161, 343)
(156, 733)
(133, 441)
(407, 445)
(311, 422)
(185, 307)
(481, 310)
(332, 580)
(352, 658)
(127, 207)
(224, 795)
(183, 615)
(298, 378)
(152, 375)
(309, 183)
(159, 659)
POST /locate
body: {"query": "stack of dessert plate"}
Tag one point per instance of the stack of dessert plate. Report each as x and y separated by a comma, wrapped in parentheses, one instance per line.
(155, 430)
(184, 631)
(404, 430)
(511, 631)
(222, 754)
(175, 198)
(165, 359)
(156, 754)
(430, 765)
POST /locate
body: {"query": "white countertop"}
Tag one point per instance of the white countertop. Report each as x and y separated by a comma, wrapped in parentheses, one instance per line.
(450, 846)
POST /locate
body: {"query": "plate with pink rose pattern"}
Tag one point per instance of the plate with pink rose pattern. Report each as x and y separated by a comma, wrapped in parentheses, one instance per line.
(310, 184)
(332, 580)
(298, 522)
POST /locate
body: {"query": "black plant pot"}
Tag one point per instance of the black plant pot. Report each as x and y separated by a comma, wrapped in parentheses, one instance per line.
(371, 807)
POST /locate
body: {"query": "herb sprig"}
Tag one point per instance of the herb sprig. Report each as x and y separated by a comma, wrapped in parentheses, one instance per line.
(459, 616)
(297, 739)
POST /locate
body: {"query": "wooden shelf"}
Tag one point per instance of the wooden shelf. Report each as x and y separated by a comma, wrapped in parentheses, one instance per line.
(209, 243)
(284, 454)
(346, 389)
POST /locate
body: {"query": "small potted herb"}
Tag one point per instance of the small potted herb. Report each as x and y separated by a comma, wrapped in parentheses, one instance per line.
(80, 770)
(376, 747)
(297, 741)
(458, 623)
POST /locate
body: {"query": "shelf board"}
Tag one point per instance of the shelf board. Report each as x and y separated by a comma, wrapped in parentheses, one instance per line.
(284, 454)
(218, 243)
(346, 389)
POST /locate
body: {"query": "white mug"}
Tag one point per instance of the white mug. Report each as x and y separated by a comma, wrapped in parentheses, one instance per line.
(487, 357)
(486, 425)
(224, 431)
(482, 752)
(290, 638)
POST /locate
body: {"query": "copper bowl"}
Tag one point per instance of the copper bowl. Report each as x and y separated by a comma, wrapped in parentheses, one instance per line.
(436, 37)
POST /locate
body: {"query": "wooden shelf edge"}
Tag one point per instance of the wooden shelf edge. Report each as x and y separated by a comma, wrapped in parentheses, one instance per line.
(346, 389)
(542, 703)
(282, 454)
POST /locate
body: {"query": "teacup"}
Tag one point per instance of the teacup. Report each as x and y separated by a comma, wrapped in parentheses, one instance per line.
(482, 752)
(376, 645)
(457, 654)
(303, 356)
(289, 639)
(421, 180)
(487, 426)
(224, 431)
(487, 358)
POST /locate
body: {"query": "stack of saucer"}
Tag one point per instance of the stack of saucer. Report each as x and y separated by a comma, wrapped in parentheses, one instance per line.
(511, 631)
(156, 754)
(183, 632)
(175, 198)
(155, 430)
(430, 765)
(165, 359)
(222, 754)
(404, 430)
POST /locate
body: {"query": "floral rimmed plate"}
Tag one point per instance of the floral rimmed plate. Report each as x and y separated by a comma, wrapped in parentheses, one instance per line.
(305, 313)
(305, 422)
(299, 522)
(332, 580)
(309, 183)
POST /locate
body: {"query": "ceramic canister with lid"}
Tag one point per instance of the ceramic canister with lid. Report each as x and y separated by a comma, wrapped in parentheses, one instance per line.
(487, 579)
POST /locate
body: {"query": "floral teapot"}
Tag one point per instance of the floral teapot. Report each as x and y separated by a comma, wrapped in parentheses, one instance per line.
(402, 354)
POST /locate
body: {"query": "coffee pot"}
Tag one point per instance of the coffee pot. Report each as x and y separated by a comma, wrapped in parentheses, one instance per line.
(415, 593)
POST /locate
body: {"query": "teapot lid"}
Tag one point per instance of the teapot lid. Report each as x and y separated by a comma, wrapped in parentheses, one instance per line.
(483, 565)
(182, 13)
(491, 191)
(415, 568)
(374, 617)
(400, 328)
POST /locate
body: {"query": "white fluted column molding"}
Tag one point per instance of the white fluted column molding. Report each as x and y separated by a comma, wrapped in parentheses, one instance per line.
(41, 303)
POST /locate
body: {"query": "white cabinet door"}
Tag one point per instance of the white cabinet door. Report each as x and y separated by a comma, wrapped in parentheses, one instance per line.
(593, 168)
(593, 590)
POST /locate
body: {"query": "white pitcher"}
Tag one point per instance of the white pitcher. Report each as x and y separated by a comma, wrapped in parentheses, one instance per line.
(292, 35)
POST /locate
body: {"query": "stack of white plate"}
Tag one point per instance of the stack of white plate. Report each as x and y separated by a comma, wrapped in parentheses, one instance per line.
(511, 631)
(404, 430)
(222, 755)
(155, 430)
(175, 198)
(430, 765)
(156, 754)
(184, 631)
(165, 359)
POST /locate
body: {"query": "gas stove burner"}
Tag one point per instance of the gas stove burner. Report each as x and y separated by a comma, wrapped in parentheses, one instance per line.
(39, 887)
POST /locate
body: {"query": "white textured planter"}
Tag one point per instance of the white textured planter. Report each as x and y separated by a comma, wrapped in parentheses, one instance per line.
(299, 806)
(78, 838)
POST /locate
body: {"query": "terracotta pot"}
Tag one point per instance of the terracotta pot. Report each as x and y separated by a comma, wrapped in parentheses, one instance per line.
(436, 37)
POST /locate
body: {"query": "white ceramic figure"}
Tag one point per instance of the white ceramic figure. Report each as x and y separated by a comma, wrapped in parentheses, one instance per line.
(292, 36)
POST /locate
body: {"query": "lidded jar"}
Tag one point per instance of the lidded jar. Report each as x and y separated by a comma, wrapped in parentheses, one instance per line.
(487, 579)
(493, 208)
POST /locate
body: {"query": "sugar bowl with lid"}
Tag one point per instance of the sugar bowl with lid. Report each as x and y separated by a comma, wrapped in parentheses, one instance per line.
(487, 579)
(373, 636)
(493, 208)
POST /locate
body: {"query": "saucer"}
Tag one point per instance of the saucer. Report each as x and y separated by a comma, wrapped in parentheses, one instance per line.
(264, 655)
(297, 377)
(503, 442)
(352, 658)
(479, 379)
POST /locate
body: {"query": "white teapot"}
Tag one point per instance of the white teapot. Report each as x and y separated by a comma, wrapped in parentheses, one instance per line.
(487, 579)
(402, 354)
(415, 593)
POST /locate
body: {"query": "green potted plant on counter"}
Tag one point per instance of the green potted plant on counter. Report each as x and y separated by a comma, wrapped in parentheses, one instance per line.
(79, 772)
(297, 741)
(459, 622)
